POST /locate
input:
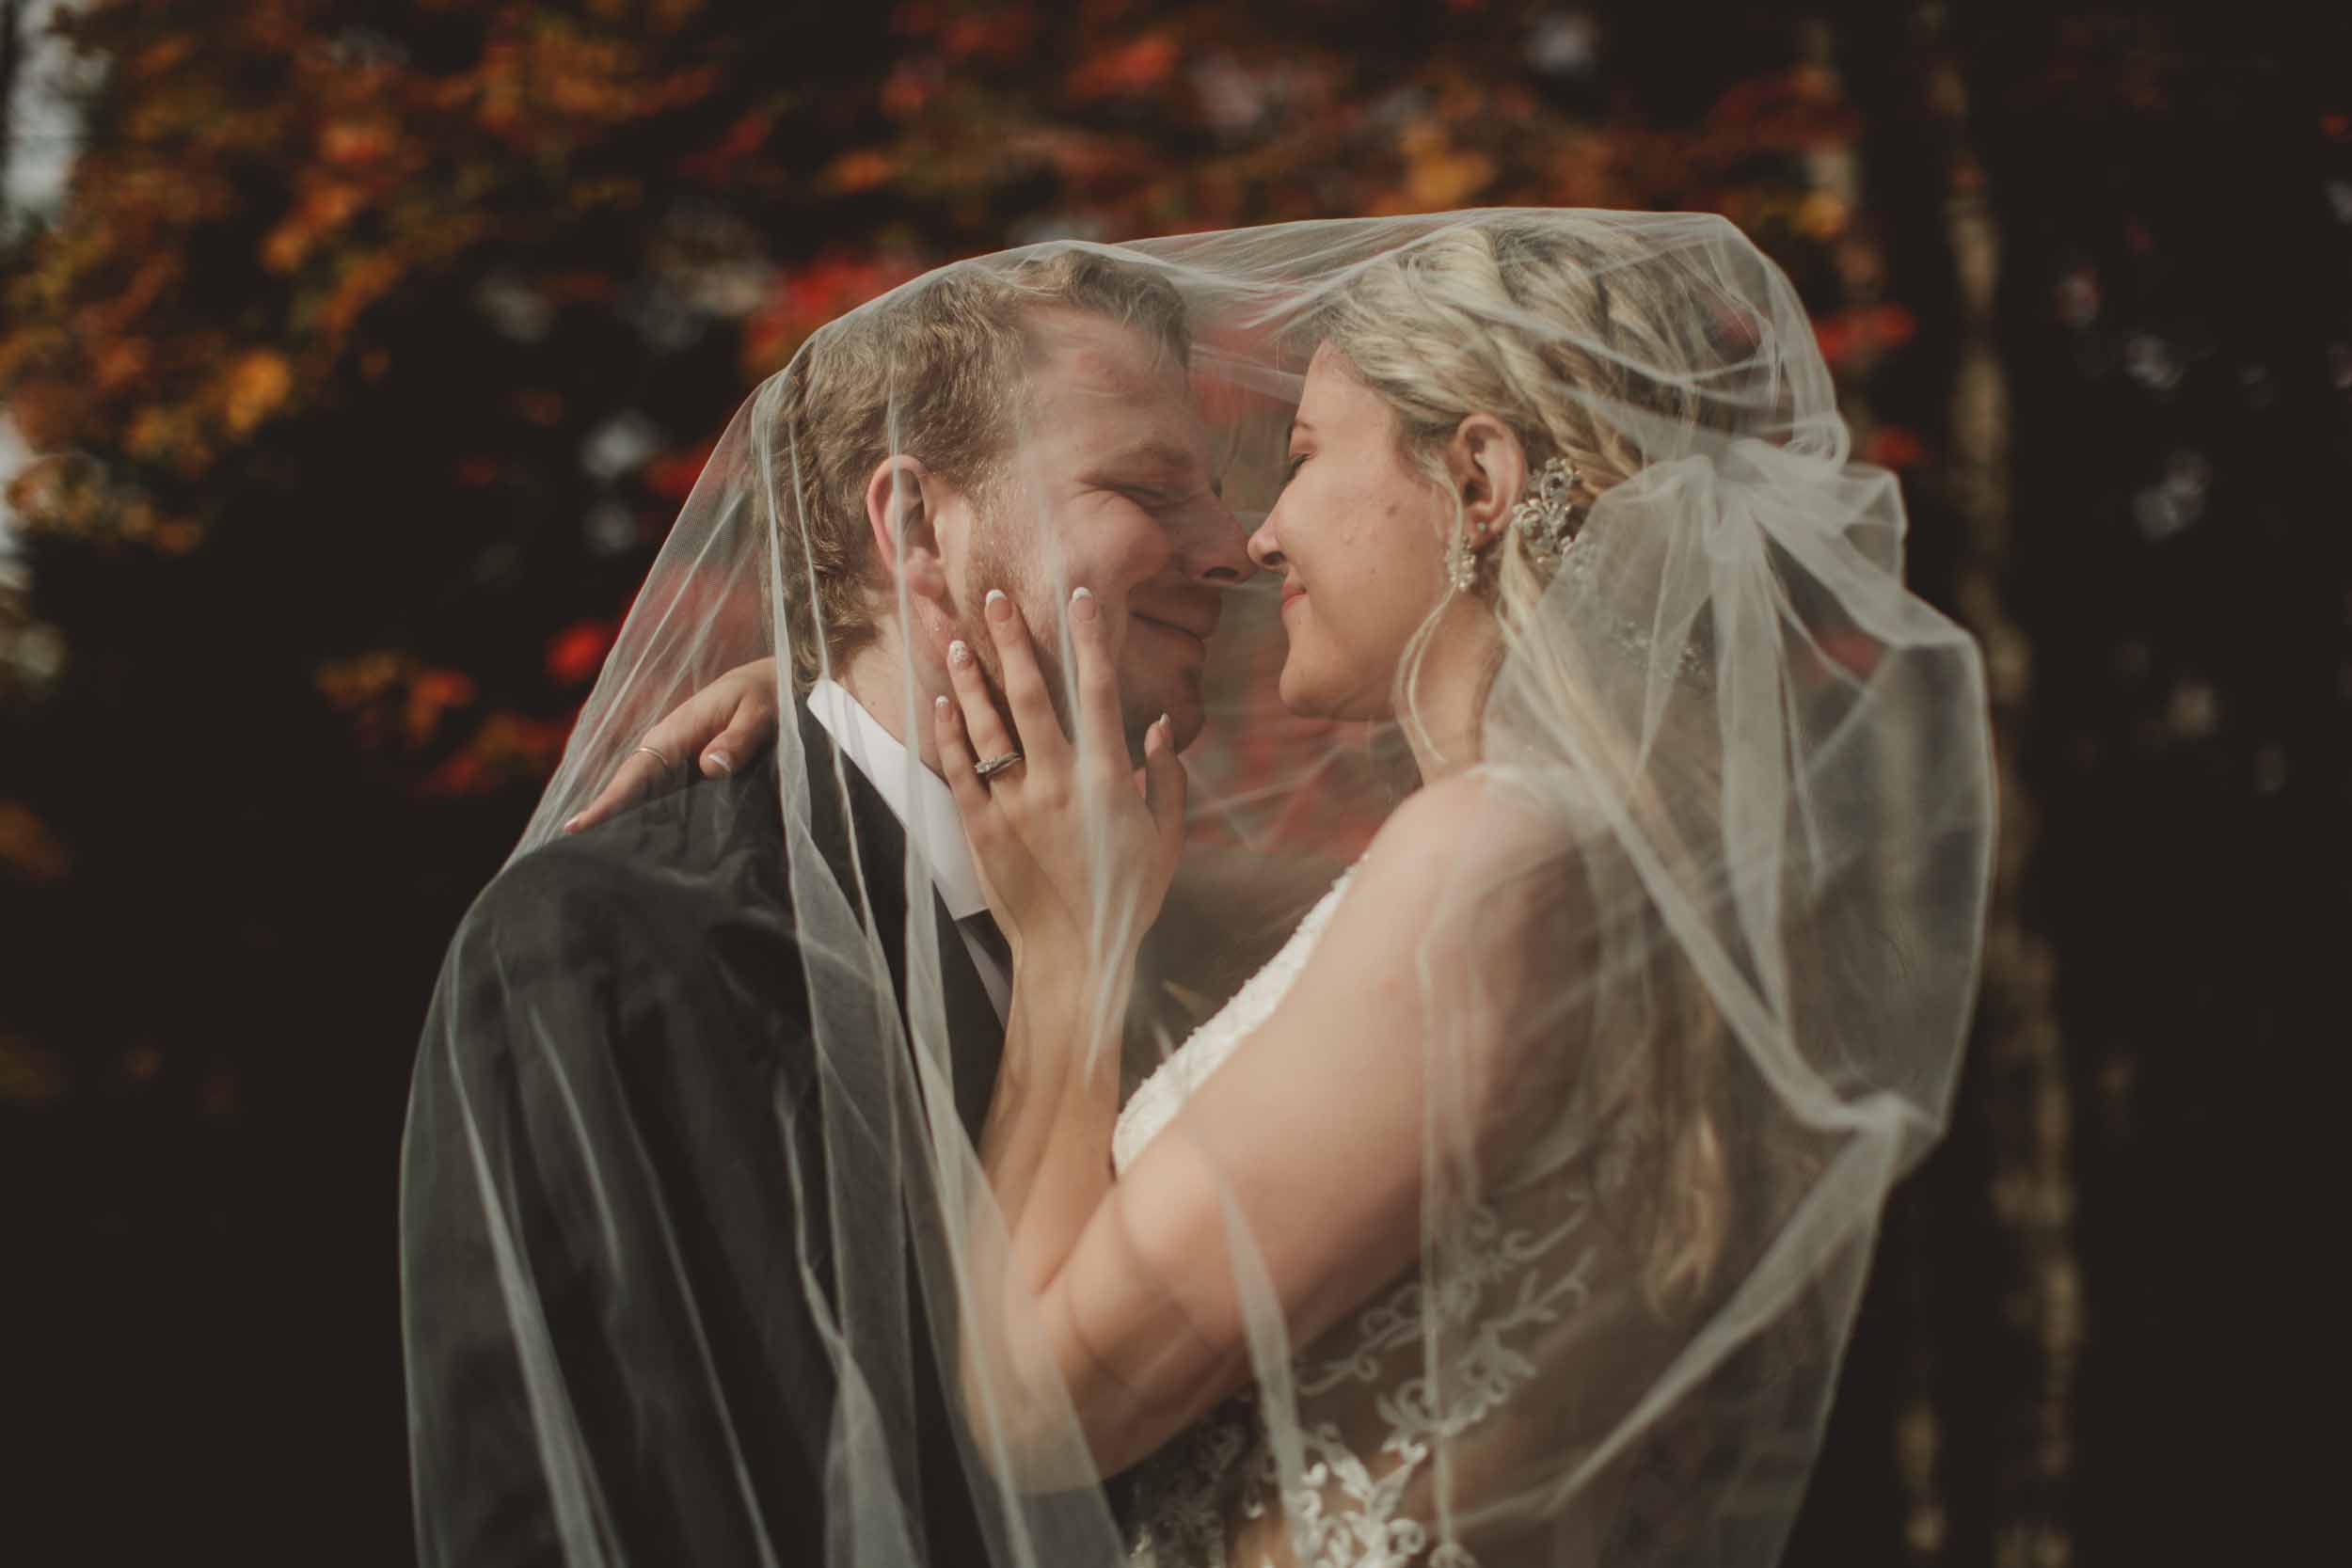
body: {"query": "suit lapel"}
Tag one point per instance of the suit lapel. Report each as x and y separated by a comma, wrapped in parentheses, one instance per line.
(974, 1035)
(847, 814)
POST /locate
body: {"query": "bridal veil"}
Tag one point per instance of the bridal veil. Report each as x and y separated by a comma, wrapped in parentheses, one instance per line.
(1750, 924)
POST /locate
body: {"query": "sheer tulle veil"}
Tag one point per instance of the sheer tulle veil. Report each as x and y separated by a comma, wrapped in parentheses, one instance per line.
(1742, 857)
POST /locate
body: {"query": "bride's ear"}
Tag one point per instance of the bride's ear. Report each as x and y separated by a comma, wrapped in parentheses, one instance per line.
(1488, 468)
(903, 501)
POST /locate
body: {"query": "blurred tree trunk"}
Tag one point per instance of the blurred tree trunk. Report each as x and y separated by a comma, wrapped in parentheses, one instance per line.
(12, 64)
(1929, 1441)
(2167, 652)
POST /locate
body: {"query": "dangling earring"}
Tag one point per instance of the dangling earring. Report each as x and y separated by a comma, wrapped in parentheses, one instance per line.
(1544, 520)
(1462, 565)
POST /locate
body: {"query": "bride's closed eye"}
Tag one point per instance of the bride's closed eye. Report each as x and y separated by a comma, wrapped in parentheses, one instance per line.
(1290, 470)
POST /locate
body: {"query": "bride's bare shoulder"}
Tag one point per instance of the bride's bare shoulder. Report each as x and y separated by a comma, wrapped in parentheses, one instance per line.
(1470, 898)
(1472, 854)
(1479, 819)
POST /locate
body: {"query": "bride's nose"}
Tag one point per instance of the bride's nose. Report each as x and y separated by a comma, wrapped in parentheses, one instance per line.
(1264, 548)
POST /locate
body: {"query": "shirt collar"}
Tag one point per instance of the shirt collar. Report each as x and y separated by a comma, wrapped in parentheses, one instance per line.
(920, 799)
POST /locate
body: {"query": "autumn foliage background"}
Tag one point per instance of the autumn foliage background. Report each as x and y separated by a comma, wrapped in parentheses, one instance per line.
(375, 347)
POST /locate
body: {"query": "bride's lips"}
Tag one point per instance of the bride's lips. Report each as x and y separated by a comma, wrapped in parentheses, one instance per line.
(1292, 591)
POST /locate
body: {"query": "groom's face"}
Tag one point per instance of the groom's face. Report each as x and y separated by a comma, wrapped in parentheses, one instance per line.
(1108, 484)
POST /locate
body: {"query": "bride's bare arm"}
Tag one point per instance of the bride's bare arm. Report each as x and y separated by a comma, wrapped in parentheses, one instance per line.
(1312, 1133)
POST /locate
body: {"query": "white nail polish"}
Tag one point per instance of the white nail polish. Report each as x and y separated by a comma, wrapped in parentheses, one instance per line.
(1081, 592)
(994, 594)
(939, 705)
(957, 653)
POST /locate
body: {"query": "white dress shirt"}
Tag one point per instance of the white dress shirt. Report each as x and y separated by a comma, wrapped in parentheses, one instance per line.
(926, 808)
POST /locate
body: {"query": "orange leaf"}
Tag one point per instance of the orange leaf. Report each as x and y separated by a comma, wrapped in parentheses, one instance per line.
(31, 1073)
(354, 141)
(430, 695)
(122, 363)
(860, 170)
(1136, 68)
(27, 846)
(1821, 215)
(1446, 181)
(257, 386)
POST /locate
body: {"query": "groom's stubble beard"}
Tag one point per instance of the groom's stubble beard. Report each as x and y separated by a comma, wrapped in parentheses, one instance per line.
(1000, 561)
(1003, 556)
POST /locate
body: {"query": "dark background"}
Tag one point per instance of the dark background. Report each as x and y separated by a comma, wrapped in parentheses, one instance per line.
(371, 348)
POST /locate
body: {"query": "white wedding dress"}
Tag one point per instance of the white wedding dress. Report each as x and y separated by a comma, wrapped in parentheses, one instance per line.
(1366, 1412)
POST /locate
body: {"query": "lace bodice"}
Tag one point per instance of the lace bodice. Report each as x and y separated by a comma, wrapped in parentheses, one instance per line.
(1368, 1415)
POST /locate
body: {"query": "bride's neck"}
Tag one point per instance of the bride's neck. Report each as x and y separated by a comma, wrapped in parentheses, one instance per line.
(1448, 690)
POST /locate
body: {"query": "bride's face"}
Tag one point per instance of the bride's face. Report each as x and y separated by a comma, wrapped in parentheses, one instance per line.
(1358, 536)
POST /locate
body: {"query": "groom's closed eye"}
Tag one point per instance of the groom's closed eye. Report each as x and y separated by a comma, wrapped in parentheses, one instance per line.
(1156, 470)
(1156, 498)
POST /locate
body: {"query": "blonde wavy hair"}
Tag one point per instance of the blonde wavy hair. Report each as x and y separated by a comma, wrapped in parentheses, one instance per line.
(1551, 331)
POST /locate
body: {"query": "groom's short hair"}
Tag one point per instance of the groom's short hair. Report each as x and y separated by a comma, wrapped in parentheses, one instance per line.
(931, 371)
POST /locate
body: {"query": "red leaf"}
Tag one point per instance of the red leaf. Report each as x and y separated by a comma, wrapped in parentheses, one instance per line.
(1891, 446)
(574, 653)
(673, 477)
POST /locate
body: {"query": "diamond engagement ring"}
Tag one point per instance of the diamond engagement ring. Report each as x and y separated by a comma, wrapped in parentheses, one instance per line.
(995, 765)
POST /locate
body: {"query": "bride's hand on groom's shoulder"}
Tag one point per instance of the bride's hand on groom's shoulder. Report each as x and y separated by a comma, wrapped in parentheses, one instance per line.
(720, 726)
(1075, 845)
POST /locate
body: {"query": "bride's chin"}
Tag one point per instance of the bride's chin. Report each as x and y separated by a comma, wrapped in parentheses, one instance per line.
(1298, 693)
(1305, 697)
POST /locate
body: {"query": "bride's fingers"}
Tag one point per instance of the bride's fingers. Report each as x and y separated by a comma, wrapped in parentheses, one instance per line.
(1164, 786)
(753, 721)
(631, 781)
(1102, 737)
(983, 726)
(728, 719)
(1025, 692)
(956, 761)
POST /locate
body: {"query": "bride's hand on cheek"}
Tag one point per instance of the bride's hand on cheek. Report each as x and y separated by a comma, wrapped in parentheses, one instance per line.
(1075, 847)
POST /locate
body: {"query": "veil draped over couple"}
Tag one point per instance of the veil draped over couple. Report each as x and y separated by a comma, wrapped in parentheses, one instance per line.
(1272, 897)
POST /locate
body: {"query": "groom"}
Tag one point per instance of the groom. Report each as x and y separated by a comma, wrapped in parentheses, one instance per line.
(611, 1354)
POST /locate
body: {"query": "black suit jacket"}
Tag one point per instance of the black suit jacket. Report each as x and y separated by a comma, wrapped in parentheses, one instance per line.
(603, 1220)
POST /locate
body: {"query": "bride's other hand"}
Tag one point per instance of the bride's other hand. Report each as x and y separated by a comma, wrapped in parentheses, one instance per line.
(1075, 846)
(725, 721)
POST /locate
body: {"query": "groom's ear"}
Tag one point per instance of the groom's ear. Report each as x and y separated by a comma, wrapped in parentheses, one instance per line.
(902, 505)
(1489, 467)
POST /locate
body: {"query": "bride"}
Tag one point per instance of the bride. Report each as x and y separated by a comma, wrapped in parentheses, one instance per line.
(1517, 1210)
